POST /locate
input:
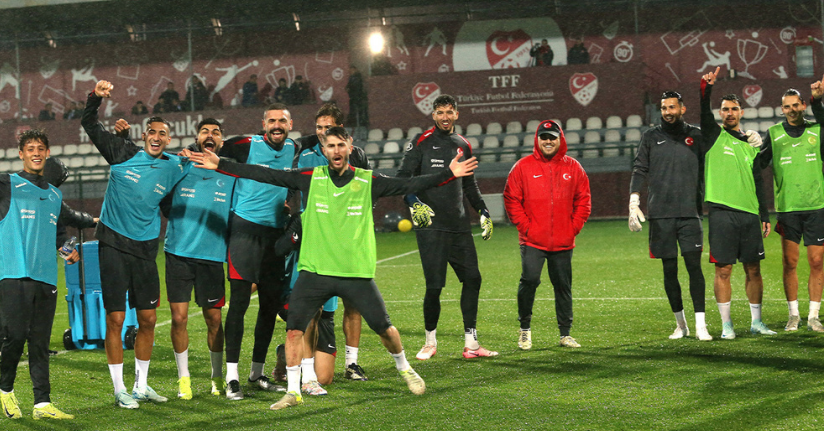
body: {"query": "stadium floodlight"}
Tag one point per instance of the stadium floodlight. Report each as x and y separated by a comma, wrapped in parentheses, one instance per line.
(217, 27)
(297, 21)
(376, 42)
(50, 39)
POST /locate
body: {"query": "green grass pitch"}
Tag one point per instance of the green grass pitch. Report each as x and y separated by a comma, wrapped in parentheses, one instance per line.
(627, 375)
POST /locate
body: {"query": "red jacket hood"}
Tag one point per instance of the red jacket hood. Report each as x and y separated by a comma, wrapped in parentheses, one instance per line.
(562, 150)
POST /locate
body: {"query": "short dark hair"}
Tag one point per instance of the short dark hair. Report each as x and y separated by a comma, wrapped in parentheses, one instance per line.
(253, 76)
(32, 135)
(444, 100)
(338, 132)
(330, 109)
(157, 119)
(275, 107)
(732, 98)
(211, 121)
(670, 94)
(793, 92)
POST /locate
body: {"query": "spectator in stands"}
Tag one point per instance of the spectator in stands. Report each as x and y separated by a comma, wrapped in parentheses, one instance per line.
(139, 108)
(168, 96)
(250, 92)
(159, 107)
(46, 114)
(547, 197)
(81, 105)
(358, 102)
(670, 159)
(578, 54)
(175, 106)
(542, 54)
(282, 93)
(300, 91)
(264, 94)
(70, 112)
(201, 95)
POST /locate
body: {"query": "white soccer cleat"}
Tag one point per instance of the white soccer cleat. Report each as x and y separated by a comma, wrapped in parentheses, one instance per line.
(702, 333)
(792, 323)
(525, 339)
(428, 351)
(680, 333)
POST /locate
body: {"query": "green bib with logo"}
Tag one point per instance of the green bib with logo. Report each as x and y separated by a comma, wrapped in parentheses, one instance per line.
(799, 182)
(338, 231)
(728, 173)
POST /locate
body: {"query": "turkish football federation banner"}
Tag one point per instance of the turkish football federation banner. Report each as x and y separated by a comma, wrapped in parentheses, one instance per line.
(509, 94)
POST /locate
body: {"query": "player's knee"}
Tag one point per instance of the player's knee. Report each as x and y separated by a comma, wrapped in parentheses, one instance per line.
(473, 282)
(816, 262)
(115, 319)
(529, 283)
(179, 320)
(723, 272)
(146, 319)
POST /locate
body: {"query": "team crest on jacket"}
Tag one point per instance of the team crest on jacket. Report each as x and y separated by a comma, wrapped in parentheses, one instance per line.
(752, 95)
(583, 87)
(508, 49)
(424, 95)
(689, 141)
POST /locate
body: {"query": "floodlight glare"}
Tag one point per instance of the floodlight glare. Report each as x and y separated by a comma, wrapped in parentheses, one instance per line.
(376, 43)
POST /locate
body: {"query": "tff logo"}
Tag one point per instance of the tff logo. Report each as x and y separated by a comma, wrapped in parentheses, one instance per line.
(424, 95)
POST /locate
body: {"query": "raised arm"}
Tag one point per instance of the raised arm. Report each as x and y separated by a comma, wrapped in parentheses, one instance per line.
(113, 148)
(709, 128)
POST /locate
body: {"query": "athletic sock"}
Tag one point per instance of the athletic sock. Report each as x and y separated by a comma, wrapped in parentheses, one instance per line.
(793, 307)
(400, 361)
(217, 363)
(471, 339)
(724, 310)
(700, 320)
(755, 311)
(141, 373)
(293, 379)
(351, 356)
(430, 338)
(307, 367)
(41, 405)
(680, 320)
(182, 361)
(231, 372)
(256, 370)
(116, 371)
(814, 307)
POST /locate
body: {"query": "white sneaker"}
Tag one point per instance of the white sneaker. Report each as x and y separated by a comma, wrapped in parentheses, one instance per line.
(702, 333)
(792, 323)
(427, 351)
(680, 333)
(524, 339)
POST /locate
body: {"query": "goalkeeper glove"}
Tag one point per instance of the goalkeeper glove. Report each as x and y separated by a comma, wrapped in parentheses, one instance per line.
(754, 138)
(421, 213)
(486, 224)
(635, 214)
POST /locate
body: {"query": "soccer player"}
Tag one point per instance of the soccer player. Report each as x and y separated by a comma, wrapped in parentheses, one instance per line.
(338, 248)
(793, 148)
(318, 364)
(256, 222)
(448, 237)
(30, 209)
(128, 233)
(738, 212)
(671, 157)
(196, 241)
(547, 198)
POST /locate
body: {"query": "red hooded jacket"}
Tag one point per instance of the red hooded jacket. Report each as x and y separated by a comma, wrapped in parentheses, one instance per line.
(548, 200)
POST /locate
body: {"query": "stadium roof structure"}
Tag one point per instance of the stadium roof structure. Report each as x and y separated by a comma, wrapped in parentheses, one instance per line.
(88, 21)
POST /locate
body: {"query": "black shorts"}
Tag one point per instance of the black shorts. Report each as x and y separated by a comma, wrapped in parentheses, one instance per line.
(792, 226)
(667, 234)
(252, 257)
(735, 235)
(312, 290)
(326, 333)
(121, 273)
(437, 248)
(205, 275)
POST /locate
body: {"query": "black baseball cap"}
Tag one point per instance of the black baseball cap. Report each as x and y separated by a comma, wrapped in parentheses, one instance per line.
(549, 127)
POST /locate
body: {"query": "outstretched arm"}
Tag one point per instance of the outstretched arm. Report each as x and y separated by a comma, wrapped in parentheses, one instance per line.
(113, 148)
(709, 128)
